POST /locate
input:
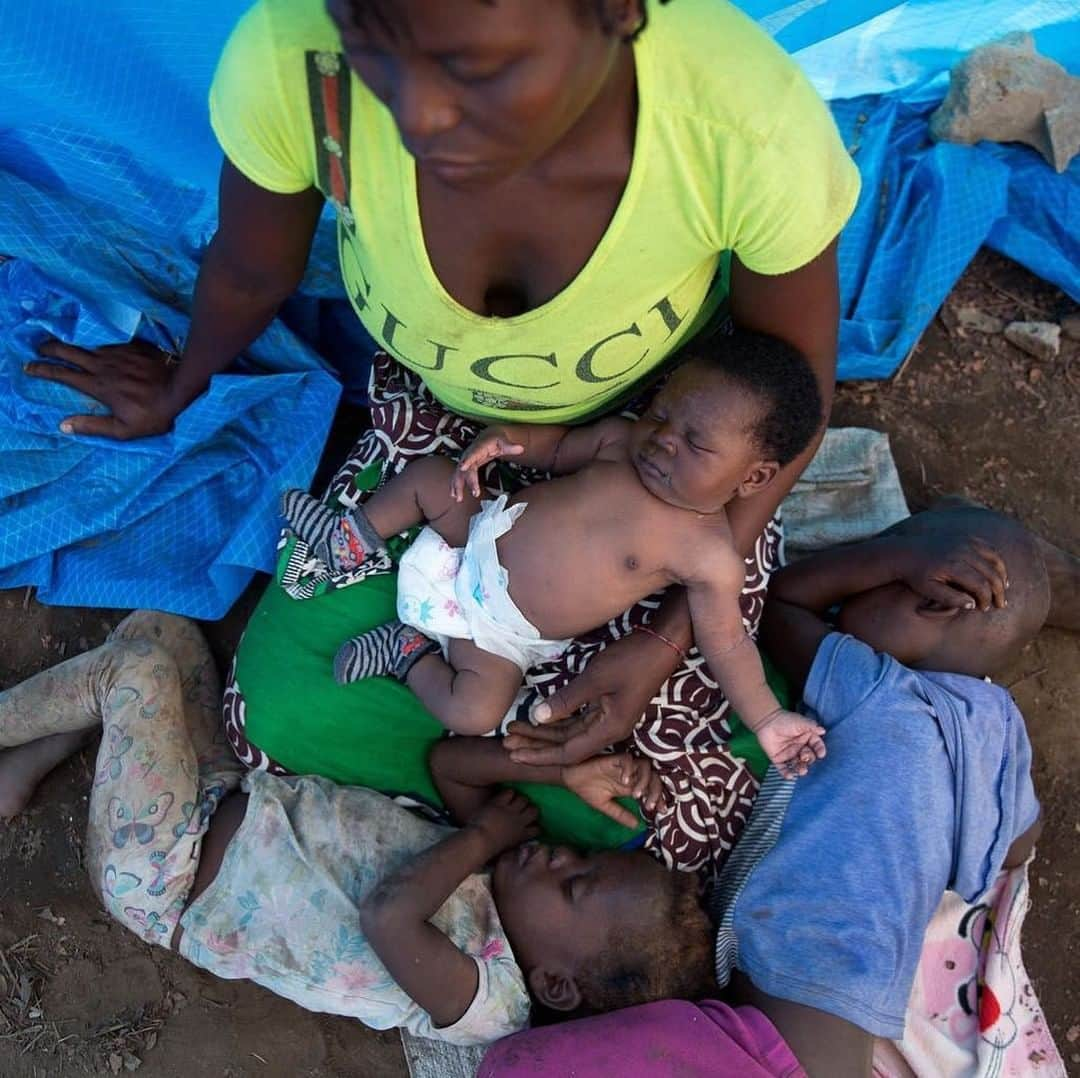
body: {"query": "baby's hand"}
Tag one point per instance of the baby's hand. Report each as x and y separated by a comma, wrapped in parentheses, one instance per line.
(602, 779)
(492, 444)
(507, 819)
(791, 741)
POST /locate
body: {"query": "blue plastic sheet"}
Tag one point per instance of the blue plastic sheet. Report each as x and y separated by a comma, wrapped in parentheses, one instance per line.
(108, 173)
(177, 522)
(924, 210)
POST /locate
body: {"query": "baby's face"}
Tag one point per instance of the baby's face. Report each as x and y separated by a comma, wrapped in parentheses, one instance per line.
(692, 448)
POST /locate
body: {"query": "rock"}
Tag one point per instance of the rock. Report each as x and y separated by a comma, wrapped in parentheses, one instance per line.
(1007, 92)
(1070, 326)
(1039, 339)
(978, 320)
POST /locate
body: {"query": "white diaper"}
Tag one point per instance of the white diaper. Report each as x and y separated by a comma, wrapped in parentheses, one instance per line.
(452, 593)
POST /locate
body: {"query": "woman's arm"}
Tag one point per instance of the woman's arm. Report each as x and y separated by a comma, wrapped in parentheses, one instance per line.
(254, 262)
(395, 917)
(802, 308)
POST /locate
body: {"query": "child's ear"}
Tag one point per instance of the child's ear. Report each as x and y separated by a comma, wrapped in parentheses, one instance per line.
(758, 476)
(554, 988)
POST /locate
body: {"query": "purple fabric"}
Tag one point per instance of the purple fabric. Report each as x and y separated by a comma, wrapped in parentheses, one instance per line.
(669, 1039)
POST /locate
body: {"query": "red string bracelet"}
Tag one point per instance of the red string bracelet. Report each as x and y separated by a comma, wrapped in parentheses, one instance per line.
(660, 636)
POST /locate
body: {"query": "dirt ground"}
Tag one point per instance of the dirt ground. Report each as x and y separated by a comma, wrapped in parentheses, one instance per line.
(968, 412)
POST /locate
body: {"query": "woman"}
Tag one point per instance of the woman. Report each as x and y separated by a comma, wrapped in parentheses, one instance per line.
(537, 204)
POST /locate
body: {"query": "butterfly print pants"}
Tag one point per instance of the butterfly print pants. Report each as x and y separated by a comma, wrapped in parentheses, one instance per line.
(162, 768)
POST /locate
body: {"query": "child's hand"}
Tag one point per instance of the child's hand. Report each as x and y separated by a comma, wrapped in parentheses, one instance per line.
(791, 741)
(492, 444)
(599, 781)
(954, 571)
(508, 819)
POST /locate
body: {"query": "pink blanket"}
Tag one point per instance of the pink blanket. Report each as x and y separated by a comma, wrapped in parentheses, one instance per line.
(973, 1011)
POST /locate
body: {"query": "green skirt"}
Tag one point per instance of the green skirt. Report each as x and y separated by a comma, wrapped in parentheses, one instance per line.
(375, 732)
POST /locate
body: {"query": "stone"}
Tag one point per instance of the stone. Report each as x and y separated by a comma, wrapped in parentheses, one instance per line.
(1007, 92)
(1039, 339)
(1070, 326)
(977, 319)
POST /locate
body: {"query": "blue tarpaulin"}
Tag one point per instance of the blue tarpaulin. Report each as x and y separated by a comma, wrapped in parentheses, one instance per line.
(108, 175)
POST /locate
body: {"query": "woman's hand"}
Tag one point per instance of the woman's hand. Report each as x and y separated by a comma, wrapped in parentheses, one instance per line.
(131, 380)
(954, 571)
(603, 779)
(599, 708)
(491, 444)
(508, 819)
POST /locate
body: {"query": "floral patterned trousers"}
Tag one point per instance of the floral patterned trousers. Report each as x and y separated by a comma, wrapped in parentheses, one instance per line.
(162, 768)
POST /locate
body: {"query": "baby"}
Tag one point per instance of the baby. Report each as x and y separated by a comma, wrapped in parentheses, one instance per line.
(339, 898)
(491, 588)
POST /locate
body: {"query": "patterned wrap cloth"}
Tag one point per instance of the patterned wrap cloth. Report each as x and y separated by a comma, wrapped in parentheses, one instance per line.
(685, 730)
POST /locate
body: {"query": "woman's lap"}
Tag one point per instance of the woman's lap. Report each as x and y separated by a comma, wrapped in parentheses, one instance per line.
(370, 733)
(284, 701)
(293, 717)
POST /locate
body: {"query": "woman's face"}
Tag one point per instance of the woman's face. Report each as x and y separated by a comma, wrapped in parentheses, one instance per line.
(480, 90)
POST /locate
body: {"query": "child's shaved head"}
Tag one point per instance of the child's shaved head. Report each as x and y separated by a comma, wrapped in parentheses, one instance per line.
(972, 642)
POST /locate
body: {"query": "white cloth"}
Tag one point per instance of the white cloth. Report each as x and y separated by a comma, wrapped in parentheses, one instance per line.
(464, 593)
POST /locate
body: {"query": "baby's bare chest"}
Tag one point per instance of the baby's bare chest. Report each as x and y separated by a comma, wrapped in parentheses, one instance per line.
(599, 525)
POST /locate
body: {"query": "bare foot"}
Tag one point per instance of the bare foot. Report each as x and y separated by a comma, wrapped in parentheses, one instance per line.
(1063, 569)
(22, 768)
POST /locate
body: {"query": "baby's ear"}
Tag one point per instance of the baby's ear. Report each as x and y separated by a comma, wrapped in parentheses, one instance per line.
(554, 988)
(758, 476)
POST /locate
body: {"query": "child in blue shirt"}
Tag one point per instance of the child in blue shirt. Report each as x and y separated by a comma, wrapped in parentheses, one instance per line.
(825, 900)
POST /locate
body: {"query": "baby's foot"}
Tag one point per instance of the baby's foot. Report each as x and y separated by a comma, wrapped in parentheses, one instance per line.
(23, 768)
(341, 540)
(390, 650)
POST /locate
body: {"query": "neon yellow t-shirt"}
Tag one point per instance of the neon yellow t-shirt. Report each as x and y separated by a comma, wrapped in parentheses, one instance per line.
(734, 151)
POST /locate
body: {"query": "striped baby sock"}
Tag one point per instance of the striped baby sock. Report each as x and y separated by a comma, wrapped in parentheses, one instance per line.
(391, 649)
(340, 539)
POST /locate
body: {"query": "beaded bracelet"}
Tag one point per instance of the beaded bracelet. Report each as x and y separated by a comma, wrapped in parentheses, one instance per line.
(660, 636)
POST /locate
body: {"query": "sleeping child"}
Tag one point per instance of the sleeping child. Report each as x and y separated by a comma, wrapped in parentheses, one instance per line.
(826, 898)
(491, 588)
(339, 898)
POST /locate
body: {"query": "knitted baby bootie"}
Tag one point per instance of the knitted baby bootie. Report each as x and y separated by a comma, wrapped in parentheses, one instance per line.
(390, 650)
(340, 539)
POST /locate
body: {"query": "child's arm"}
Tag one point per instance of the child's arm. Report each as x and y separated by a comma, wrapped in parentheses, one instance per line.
(555, 449)
(467, 771)
(949, 570)
(791, 741)
(395, 917)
